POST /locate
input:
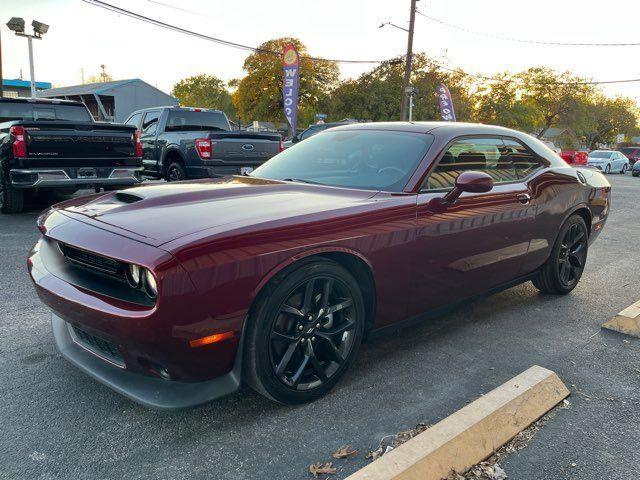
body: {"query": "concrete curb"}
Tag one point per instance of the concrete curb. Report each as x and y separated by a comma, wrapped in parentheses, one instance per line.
(627, 321)
(473, 433)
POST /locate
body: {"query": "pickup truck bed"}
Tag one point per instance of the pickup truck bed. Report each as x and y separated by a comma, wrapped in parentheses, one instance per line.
(41, 152)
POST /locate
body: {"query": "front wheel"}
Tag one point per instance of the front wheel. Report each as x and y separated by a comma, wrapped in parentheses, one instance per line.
(304, 333)
(607, 169)
(563, 269)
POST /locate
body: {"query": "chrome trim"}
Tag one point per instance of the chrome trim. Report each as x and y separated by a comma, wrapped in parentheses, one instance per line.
(75, 340)
(60, 178)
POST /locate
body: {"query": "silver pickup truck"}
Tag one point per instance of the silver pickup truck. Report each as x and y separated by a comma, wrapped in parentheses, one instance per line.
(180, 143)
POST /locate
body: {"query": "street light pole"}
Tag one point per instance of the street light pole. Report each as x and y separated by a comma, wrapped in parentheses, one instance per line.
(31, 69)
(407, 69)
(16, 25)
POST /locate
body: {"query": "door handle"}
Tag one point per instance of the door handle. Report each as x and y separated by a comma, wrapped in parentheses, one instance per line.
(524, 198)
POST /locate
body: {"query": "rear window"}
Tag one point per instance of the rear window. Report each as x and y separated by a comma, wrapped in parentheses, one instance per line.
(186, 120)
(40, 111)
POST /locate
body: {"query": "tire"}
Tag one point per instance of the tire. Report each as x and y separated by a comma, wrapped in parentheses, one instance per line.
(175, 172)
(607, 169)
(563, 269)
(11, 199)
(624, 169)
(635, 173)
(293, 354)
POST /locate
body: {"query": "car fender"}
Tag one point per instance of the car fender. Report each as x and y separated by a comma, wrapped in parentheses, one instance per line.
(169, 149)
(305, 254)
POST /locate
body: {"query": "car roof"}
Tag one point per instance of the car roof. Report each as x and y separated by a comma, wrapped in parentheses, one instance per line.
(46, 101)
(176, 108)
(446, 128)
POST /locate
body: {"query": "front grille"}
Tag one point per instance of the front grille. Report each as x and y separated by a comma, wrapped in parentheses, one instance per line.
(92, 260)
(98, 346)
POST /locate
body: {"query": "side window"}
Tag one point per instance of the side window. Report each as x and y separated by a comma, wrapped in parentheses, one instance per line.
(487, 155)
(524, 161)
(134, 120)
(150, 123)
(309, 132)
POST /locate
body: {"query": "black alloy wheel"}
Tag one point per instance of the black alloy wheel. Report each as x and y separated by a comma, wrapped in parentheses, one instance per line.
(306, 333)
(176, 172)
(563, 270)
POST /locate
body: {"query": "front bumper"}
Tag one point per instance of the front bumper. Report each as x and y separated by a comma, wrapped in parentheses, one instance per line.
(149, 391)
(75, 177)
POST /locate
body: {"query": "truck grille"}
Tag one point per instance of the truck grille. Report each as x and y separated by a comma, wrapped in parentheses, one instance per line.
(92, 260)
(96, 345)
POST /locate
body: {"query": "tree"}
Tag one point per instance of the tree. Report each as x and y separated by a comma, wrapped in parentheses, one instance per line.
(601, 119)
(552, 96)
(205, 91)
(258, 95)
(376, 94)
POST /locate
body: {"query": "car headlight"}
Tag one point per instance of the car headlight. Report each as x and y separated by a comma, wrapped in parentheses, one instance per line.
(134, 275)
(150, 284)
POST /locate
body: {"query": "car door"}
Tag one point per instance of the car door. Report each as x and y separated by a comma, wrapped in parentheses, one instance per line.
(148, 135)
(477, 243)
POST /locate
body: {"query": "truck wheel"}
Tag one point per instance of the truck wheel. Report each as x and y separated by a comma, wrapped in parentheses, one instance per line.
(175, 172)
(11, 199)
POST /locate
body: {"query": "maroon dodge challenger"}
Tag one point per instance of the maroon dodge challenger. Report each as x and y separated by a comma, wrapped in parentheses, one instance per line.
(174, 294)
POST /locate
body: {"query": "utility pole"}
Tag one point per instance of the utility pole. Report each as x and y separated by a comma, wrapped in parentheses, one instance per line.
(17, 25)
(407, 69)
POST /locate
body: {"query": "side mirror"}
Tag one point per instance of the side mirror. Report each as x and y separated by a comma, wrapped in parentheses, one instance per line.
(471, 181)
(295, 139)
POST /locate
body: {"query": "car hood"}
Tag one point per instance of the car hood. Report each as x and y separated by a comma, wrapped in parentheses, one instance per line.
(157, 214)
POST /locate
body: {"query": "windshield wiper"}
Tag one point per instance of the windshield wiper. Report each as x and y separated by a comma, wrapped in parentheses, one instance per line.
(301, 181)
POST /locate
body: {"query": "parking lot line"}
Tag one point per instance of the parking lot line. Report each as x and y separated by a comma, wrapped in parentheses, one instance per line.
(473, 433)
(627, 321)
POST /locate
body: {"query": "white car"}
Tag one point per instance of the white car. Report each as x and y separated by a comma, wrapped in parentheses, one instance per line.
(608, 161)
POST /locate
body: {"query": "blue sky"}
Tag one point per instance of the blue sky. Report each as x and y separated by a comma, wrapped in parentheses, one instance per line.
(84, 36)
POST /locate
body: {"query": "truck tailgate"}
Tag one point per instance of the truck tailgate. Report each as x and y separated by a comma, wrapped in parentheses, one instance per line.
(245, 148)
(77, 141)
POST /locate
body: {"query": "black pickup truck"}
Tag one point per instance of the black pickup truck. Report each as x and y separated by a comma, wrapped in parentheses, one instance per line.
(57, 145)
(180, 143)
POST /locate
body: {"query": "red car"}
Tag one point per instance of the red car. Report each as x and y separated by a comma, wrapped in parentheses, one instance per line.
(174, 294)
(574, 157)
(632, 153)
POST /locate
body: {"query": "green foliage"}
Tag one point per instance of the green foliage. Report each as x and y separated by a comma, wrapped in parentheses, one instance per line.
(258, 95)
(204, 91)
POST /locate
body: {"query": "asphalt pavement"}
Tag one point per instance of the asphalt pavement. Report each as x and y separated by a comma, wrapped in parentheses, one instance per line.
(57, 423)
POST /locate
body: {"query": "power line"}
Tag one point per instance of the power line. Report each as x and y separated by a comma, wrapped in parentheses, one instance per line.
(175, 28)
(137, 16)
(522, 40)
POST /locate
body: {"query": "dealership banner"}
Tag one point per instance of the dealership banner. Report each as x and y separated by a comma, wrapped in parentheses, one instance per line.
(446, 104)
(291, 75)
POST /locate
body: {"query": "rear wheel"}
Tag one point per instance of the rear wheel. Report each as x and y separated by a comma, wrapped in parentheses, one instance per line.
(11, 199)
(562, 271)
(624, 169)
(304, 333)
(175, 172)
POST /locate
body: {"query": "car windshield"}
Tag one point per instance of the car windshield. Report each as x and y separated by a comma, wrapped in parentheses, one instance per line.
(363, 159)
(600, 154)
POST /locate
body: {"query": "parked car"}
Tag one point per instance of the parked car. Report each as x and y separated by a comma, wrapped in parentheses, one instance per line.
(314, 129)
(56, 145)
(574, 157)
(175, 293)
(608, 161)
(632, 153)
(180, 143)
(635, 170)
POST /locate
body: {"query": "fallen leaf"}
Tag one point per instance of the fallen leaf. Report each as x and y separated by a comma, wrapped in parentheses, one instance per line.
(345, 452)
(320, 469)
